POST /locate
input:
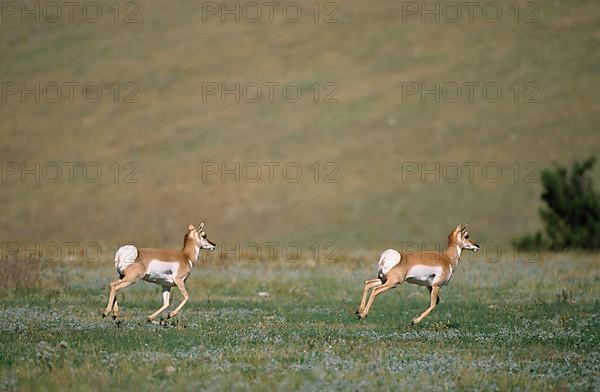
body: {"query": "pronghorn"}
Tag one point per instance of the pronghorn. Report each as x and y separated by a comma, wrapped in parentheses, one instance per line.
(429, 269)
(165, 267)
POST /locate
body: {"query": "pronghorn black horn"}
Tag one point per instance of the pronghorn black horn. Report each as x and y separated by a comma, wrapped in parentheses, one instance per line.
(200, 226)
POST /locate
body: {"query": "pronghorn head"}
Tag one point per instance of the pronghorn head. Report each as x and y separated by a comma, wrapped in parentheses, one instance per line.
(460, 237)
(198, 236)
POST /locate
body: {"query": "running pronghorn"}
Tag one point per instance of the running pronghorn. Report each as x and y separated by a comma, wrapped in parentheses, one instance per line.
(429, 269)
(165, 267)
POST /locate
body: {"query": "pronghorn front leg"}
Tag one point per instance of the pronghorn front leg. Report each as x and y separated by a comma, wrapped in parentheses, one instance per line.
(166, 297)
(181, 286)
(368, 285)
(376, 291)
(434, 297)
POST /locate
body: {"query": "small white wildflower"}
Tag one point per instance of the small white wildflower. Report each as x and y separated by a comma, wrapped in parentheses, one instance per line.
(170, 370)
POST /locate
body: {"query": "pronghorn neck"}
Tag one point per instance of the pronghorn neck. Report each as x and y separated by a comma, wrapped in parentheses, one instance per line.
(191, 250)
(453, 252)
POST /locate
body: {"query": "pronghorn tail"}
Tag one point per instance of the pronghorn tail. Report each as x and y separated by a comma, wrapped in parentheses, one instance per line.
(387, 260)
(124, 257)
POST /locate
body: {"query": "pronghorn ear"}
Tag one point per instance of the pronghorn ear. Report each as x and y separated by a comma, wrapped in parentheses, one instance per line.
(457, 229)
(191, 227)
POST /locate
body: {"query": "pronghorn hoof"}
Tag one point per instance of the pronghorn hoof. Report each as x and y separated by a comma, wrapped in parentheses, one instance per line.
(114, 317)
(104, 314)
(171, 315)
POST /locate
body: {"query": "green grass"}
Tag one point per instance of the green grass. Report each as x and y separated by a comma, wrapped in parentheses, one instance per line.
(501, 326)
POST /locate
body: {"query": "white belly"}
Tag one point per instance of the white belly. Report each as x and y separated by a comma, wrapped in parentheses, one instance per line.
(424, 275)
(162, 272)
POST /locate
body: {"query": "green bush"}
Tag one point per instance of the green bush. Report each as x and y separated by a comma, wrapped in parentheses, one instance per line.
(572, 212)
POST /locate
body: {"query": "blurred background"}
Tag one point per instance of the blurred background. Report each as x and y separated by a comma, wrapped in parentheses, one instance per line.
(360, 133)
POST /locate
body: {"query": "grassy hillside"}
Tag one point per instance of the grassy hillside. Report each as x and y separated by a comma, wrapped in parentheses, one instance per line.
(368, 134)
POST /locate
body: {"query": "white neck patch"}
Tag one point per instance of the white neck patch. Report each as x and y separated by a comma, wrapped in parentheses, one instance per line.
(458, 252)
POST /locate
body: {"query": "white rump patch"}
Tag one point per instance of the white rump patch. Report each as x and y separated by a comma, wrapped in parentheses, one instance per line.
(388, 259)
(124, 257)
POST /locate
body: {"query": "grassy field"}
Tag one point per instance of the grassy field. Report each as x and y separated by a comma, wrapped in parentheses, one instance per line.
(503, 325)
(499, 326)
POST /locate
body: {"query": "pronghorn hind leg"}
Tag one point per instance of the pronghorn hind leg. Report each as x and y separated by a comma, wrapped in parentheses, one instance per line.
(376, 291)
(437, 302)
(114, 287)
(115, 309)
(132, 274)
(434, 296)
(368, 285)
(181, 286)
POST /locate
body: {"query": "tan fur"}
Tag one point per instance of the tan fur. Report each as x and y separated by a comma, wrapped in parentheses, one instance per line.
(194, 240)
(447, 261)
